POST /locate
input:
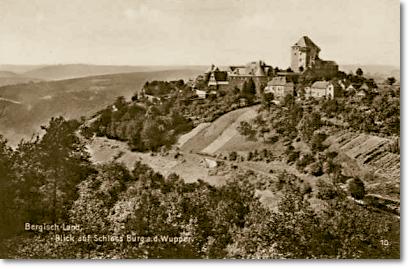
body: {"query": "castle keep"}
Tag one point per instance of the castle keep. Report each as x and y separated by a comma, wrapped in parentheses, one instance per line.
(305, 56)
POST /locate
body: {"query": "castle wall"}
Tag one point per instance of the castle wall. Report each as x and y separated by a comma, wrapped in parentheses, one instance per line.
(295, 59)
(238, 81)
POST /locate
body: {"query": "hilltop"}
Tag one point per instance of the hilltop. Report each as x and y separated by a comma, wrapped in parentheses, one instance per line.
(11, 78)
(68, 71)
(71, 98)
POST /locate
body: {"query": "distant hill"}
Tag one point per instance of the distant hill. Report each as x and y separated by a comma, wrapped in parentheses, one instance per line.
(27, 106)
(11, 78)
(378, 72)
(19, 69)
(5, 74)
(67, 71)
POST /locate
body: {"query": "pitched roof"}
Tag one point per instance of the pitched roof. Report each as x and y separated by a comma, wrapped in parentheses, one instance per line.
(320, 84)
(305, 41)
(278, 81)
(259, 71)
(364, 87)
(354, 86)
(212, 68)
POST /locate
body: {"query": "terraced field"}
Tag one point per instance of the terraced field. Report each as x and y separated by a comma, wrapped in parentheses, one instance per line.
(368, 153)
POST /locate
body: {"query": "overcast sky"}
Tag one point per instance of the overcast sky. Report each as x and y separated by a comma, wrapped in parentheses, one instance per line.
(139, 32)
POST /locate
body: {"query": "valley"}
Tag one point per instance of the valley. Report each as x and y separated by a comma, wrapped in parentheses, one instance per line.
(25, 107)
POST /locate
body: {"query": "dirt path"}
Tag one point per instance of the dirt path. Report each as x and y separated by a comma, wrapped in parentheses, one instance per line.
(188, 166)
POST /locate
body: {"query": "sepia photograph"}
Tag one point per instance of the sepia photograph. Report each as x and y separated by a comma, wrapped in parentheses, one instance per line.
(212, 129)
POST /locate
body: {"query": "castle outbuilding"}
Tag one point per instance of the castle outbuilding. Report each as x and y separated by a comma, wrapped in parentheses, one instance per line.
(258, 71)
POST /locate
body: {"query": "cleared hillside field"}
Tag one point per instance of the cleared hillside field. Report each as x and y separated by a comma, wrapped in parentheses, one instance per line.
(220, 136)
(230, 132)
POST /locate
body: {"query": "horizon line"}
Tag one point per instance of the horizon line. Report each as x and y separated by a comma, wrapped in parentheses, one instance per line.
(171, 65)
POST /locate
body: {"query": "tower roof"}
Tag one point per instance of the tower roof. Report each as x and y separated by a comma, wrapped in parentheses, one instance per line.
(211, 69)
(259, 71)
(306, 42)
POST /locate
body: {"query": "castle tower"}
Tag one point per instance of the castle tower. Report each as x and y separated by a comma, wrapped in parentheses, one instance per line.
(303, 54)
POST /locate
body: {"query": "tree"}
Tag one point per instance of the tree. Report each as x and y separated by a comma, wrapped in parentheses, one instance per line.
(245, 129)
(120, 103)
(357, 189)
(316, 142)
(328, 191)
(309, 124)
(391, 80)
(8, 212)
(233, 156)
(151, 135)
(267, 100)
(65, 161)
(359, 72)
(249, 90)
(288, 101)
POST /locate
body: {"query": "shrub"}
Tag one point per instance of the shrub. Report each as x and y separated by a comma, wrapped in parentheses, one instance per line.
(293, 156)
(233, 156)
(357, 189)
(317, 142)
(246, 129)
(305, 160)
(315, 169)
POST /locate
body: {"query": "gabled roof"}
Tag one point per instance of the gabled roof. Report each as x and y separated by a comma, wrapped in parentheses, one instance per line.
(354, 86)
(278, 81)
(306, 42)
(362, 92)
(364, 87)
(257, 68)
(320, 84)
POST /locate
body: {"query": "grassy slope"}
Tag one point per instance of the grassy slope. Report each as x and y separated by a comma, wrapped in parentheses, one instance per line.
(213, 133)
(230, 132)
(221, 136)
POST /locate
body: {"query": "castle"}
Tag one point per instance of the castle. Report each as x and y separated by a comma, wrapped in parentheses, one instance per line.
(235, 76)
(304, 60)
(305, 56)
